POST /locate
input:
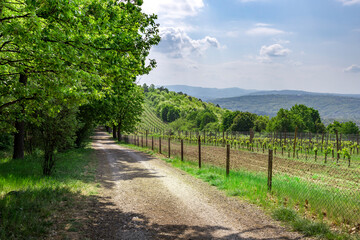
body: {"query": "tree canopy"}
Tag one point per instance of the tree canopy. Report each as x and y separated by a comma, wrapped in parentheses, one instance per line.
(57, 56)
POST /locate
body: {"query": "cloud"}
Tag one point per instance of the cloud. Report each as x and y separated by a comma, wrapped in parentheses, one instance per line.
(353, 69)
(349, 2)
(263, 29)
(272, 51)
(175, 43)
(173, 9)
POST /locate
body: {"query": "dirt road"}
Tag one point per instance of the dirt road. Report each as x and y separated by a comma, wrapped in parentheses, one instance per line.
(145, 198)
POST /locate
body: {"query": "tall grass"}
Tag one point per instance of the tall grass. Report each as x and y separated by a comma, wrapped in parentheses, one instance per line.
(29, 201)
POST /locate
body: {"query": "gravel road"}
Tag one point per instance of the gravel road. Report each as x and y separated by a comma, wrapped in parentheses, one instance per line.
(145, 198)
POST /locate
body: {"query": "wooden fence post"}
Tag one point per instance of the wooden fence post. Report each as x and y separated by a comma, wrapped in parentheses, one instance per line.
(199, 145)
(147, 132)
(227, 160)
(182, 150)
(152, 143)
(337, 146)
(223, 141)
(142, 141)
(169, 148)
(270, 166)
(160, 145)
(296, 129)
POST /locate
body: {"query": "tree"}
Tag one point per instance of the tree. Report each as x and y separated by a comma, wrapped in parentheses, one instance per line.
(332, 127)
(349, 128)
(205, 117)
(228, 119)
(261, 123)
(84, 45)
(282, 122)
(305, 118)
(243, 122)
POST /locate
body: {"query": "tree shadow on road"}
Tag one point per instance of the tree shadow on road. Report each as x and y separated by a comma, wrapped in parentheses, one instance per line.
(108, 222)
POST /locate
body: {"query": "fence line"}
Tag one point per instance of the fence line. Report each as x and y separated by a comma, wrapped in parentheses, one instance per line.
(331, 189)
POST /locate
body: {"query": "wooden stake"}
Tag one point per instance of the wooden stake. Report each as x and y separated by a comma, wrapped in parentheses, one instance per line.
(199, 145)
(182, 150)
(227, 160)
(296, 129)
(270, 166)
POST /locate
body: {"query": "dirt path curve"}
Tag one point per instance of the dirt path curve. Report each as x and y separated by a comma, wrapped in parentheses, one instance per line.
(145, 198)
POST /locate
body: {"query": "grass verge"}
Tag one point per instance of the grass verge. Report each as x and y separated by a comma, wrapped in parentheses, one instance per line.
(280, 204)
(33, 206)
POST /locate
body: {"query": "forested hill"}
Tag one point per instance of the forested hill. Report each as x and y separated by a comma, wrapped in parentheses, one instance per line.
(329, 106)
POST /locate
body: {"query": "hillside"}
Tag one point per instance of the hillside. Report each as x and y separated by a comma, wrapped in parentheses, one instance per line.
(329, 106)
(166, 109)
(149, 120)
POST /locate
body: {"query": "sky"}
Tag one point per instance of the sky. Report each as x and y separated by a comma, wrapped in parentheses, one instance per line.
(311, 45)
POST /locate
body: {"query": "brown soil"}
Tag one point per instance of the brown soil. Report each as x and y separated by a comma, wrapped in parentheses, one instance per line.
(142, 197)
(329, 174)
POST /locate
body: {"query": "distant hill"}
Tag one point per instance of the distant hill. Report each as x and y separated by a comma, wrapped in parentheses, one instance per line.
(209, 93)
(329, 106)
(302, 93)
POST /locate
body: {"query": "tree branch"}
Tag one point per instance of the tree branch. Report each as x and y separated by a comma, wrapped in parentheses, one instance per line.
(16, 101)
(8, 18)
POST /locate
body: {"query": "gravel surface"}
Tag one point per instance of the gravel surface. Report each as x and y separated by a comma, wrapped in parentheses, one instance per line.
(143, 197)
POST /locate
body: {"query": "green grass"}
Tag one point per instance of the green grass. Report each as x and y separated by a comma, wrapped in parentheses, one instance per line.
(30, 203)
(288, 193)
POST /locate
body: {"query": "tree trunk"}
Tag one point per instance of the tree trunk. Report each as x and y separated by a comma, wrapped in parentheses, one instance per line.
(48, 163)
(114, 131)
(19, 146)
(19, 140)
(119, 131)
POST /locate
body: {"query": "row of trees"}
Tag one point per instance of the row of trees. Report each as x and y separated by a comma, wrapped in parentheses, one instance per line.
(306, 119)
(66, 66)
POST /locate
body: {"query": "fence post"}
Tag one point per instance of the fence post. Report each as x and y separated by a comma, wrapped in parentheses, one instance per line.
(169, 148)
(146, 143)
(223, 141)
(199, 145)
(296, 129)
(337, 146)
(142, 141)
(160, 145)
(182, 150)
(152, 143)
(227, 160)
(270, 166)
(357, 140)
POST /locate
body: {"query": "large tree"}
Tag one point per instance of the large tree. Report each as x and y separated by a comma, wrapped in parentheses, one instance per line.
(80, 47)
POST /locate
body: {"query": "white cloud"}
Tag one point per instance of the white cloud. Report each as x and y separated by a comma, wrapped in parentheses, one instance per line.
(263, 30)
(353, 69)
(262, 25)
(272, 51)
(350, 2)
(175, 43)
(173, 9)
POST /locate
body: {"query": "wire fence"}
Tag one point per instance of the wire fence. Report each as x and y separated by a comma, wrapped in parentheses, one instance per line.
(315, 187)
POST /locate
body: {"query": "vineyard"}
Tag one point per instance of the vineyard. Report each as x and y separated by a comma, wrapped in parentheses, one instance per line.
(149, 120)
(316, 174)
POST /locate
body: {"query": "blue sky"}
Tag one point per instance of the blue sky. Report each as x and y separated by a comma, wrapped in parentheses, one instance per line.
(258, 44)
